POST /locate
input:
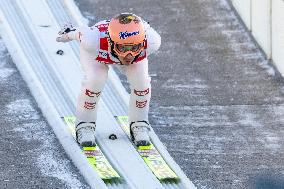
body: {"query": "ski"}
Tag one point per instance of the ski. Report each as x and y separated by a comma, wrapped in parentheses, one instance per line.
(150, 155)
(95, 156)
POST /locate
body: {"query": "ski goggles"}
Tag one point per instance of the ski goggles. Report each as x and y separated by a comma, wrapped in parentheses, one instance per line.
(123, 50)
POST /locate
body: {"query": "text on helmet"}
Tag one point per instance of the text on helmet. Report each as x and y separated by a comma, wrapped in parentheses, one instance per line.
(124, 35)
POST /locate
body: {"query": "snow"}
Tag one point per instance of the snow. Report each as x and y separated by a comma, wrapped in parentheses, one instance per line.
(272, 142)
(4, 72)
(2, 49)
(23, 110)
(241, 40)
(270, 70)
(248, 118)
(183, 87)
(89, 16)
(238, 46)
(56, 168)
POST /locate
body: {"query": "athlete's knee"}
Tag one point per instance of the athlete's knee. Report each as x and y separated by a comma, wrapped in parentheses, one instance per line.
(95, 79)
(140, 83)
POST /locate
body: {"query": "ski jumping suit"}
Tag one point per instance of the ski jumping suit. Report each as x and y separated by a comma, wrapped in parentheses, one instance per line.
(96, 56)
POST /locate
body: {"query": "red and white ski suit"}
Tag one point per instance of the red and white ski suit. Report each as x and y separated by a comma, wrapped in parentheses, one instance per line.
(95, 58)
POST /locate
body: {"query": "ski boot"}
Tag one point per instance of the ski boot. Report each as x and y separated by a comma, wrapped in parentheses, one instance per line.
(139, 132)
(85, 133)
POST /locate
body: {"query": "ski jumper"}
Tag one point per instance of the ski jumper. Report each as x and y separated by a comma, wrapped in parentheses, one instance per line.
(95, 58)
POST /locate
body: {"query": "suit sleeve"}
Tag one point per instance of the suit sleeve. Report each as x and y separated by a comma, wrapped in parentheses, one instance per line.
(153, 39)
(88, 38)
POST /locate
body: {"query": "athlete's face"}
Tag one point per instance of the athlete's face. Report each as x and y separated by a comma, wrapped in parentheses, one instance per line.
(128, 59)
(127, 52)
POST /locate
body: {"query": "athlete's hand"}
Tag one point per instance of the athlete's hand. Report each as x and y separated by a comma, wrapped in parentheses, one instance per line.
(66, 33)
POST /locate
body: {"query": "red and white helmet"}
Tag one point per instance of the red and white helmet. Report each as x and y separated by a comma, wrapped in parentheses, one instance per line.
(127, 34)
